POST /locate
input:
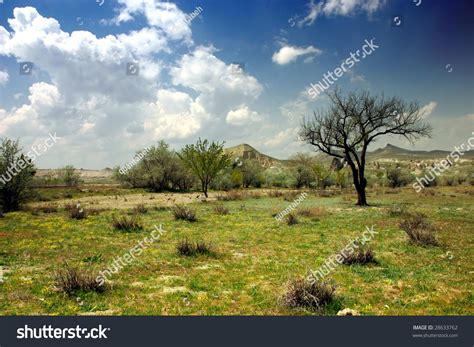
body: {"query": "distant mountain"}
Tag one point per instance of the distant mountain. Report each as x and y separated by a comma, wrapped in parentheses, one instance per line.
(245, 151)
(397, 153)
(389, 152)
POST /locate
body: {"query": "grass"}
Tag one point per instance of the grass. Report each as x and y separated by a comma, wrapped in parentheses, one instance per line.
(257, 258)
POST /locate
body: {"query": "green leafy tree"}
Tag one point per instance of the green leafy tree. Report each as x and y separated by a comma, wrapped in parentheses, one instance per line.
(16, 173)
(252, 173)
(303, 172)
(206, 159)
(158, 169)
(69, 176)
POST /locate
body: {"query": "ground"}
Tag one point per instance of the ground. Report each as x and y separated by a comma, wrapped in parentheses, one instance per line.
(255, 255)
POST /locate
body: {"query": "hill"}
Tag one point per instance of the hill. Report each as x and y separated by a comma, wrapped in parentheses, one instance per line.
(245, 151)
(391, 152)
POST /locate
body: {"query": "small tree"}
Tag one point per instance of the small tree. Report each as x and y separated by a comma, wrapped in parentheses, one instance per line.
(303, 172)
(205, 159)
(69, 176)
(252, 173)
(352, 123)
(16, 173)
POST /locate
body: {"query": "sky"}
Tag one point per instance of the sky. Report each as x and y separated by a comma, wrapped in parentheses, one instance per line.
(111, 77)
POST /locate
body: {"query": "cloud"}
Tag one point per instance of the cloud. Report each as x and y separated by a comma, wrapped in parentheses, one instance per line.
(289, 135)
(355, 78)
(3, 77)
(175, 115)
(220, 87)
(288, 54)
(27, 118)
(242, 116)
(428, 109)
(163, 15)
(88, 98)
(339, 8)
(302, 106)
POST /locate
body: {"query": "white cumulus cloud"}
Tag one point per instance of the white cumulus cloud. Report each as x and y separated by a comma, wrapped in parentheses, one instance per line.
(288, 54)
(339, 8)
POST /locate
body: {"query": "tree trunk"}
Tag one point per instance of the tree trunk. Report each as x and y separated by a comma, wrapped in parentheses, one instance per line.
(361, 196)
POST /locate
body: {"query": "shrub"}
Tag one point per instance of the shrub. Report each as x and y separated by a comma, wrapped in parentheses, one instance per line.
(140, 208)
(126, 223)
(15, 189)
(71, 280)
(419, 230)
(77, 212)
(398, 178)
(360, 256)
(302, 293)
(69, 176)
(184, 213)
(291, 219)
(188, 248)
(220, 209)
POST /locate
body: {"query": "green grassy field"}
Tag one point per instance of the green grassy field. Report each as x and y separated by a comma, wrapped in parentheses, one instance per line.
(255, 256)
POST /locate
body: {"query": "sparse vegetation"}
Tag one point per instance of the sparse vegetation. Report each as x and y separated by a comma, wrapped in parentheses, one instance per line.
(69, 176)
(291, 219)
(141, 208)
(221, 209)
(77, 212)
(419, 230)
(188, 248)
(72, 280)
(184, 213)
(301, 293)
(126, 223)
(360, 256)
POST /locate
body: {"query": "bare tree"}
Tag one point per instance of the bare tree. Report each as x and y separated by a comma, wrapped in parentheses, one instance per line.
(353, 122)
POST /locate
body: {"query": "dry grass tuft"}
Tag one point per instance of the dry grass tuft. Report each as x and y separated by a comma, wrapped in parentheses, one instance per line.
(302, 293)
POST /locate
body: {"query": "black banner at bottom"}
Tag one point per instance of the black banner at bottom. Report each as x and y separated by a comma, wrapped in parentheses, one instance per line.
(237, 331)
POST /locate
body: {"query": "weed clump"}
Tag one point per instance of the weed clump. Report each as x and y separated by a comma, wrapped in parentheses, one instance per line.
(126, 223)
(419, 230)
(291, 219)
(221, 209)
(184, 213)
(360, 256)
(140, 208)
(71, 280)
(302, 293)
(189, 249)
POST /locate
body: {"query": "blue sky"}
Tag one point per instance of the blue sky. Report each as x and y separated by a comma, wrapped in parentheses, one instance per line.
(188, 87)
